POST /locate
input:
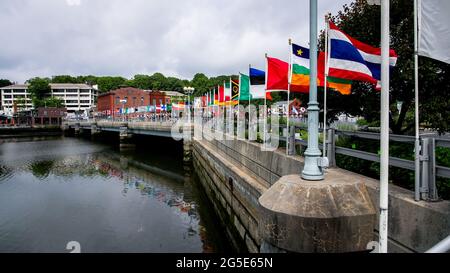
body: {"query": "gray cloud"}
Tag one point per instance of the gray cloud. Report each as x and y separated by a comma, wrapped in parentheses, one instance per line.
(178, 38)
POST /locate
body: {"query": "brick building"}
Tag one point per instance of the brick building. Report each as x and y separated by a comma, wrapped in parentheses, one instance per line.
(133, 100)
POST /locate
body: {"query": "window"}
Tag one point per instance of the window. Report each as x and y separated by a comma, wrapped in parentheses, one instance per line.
(85, 90)
(160, 101)
(117, 100)
(85, 101)
(7, 91)
(154, 101)
(7, 96)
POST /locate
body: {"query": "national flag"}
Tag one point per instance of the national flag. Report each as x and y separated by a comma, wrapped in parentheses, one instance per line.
(341, 85)
(244, 87)
(216, 96)
(227, 90)
(353, 60)
(221, 93)
(211, 97)
(277, 75)
(235, 90)
(434, 30)
(299, 76)
(163, 107)
(257, 83)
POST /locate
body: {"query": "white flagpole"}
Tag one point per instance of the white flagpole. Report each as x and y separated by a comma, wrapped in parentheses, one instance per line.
(324, 152)
(265, 103)
(384, 143)
(230, 108)
(239, 103)
(249, 85)
(288, 94)
(416, 103)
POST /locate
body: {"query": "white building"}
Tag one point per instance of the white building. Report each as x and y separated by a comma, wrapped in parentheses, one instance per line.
(76, 97)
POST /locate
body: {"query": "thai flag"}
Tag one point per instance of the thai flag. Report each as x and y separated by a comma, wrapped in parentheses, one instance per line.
(353, 60)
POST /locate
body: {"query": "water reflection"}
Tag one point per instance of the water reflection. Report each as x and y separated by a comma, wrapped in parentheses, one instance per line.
(108, 201)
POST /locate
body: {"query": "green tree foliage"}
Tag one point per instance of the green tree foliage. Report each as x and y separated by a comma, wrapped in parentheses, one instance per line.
(201, 83)
(158, 81)
(5, 82)
(141, 81)
(362, 22)
(53, 102)
(39, 88)
(64, 79)
(107, 83)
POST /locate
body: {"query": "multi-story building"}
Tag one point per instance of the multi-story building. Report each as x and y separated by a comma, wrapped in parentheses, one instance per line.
(76, 97)
(134, 100)
(15, 98)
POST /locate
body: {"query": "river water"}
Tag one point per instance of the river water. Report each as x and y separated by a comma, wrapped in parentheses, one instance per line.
(57, 190)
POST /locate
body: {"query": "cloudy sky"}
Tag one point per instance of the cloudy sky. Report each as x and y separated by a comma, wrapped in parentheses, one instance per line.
(128, 37)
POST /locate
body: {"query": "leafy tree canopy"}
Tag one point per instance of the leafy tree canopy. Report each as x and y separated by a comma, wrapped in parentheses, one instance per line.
(362, 21)
(5, 82)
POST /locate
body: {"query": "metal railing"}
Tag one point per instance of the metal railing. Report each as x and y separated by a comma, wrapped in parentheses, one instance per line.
(429, 169)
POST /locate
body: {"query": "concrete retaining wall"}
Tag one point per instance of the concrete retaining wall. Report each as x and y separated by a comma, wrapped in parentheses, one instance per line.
(235, 173)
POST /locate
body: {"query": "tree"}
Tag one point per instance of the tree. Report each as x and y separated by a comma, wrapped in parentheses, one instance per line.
(5, 82)
(158, 81)
(64, 79)
(20, 104)
(107, 83)
(200, 82)
(174, 84)
(362, 22)
(53, 102)
(141, 81)
(38, 88)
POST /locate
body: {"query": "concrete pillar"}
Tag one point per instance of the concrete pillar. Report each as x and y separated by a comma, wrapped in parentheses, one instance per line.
(76, 128)
(187, 153)
(334, 215)
(94, 129)
(125, 139)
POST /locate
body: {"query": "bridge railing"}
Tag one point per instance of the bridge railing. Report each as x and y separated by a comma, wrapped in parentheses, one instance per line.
(429, 169)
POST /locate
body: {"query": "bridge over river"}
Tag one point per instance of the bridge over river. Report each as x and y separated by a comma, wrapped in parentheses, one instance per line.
(265, 204)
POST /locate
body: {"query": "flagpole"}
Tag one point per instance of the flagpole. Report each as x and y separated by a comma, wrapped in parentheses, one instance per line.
(324, 152)
(265, 104)
(416, 104)
(230, 109)
(384, 143)
(239, 103)
(250, 85)
(288, 94)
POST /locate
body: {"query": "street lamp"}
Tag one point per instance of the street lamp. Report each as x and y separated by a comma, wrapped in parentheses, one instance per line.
(311, 169)
(189, 90)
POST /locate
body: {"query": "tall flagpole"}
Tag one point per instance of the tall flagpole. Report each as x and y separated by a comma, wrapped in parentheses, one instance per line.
(324, 151)
(288, 94)
(250, 85)
(265, 103)
(384, 143)
(416, 104)
(239, 103)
